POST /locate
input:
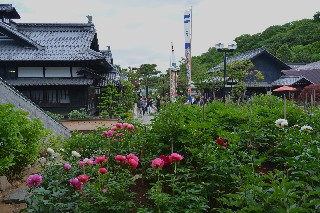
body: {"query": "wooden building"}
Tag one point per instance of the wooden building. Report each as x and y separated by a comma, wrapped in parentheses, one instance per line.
(59, 66)
(267, 63)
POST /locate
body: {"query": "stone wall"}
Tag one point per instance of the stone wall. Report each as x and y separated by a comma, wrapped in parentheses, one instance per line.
(9, 94)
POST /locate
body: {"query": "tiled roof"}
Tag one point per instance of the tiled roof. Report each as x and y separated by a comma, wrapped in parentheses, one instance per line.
(311, 66)
(60, 42)
(312, 75)
(258, 84)
(288, 80)
(248, 55)
(49, 81)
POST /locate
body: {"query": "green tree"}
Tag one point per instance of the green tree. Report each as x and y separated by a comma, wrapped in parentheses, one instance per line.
(146, 72)
(284, 53)
(110, 100)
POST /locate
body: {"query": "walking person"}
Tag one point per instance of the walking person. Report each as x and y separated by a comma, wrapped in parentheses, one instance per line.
(144, 105)
(158, 103)
(139, 108)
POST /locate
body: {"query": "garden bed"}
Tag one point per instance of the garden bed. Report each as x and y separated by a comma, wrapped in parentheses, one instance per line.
(85, 125)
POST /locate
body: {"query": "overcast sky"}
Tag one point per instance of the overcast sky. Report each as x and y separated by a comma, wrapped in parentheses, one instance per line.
(141, 31)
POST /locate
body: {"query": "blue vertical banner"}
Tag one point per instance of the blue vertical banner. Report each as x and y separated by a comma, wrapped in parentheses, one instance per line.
(187, 35)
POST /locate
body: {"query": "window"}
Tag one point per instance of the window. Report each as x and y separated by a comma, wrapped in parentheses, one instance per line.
(58, 96)
(63, 96)
(36, 96)
(11, 73)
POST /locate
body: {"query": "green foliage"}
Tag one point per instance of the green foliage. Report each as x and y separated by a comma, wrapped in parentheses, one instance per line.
(117, 101)
(20, 139)
(78, 114)
(110, 100)
(55, 116)
(236, 159)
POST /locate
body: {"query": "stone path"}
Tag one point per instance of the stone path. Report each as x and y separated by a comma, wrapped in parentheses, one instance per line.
(146, 119)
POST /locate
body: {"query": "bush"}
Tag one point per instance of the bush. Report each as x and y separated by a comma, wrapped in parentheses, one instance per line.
(307, 92)
(20, 139)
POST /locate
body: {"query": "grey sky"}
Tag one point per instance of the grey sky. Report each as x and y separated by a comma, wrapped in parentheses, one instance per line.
(141, 31)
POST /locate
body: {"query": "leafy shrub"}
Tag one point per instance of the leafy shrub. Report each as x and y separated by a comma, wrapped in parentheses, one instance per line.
(310, 91)
(55, 116)
(20, 139)
(78, 114)
(237, 158)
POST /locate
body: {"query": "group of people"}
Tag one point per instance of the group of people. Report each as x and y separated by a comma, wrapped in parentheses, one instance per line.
(146, 105)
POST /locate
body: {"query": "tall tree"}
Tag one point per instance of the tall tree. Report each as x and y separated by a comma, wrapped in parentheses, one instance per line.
(145, 72)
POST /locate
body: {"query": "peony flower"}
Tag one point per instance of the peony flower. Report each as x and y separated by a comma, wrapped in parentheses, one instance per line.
(114, 128)
(42, 160)
(175, 157)
(133, 163)
(124, 125)
(67, 166)
(120, 158)
(306, 128)
(130, 127)
(120, 134)
(75, 183)
(75, 154)
(157, 163)
(34, 180)
(103, 170)
(100, 159)
(221, 142)
(165, 159)
(86, 161)
(104, 190)
(132, 156)
(119, 125)
(83, 178)
(108, 134)
(281, 123)
(50, 151)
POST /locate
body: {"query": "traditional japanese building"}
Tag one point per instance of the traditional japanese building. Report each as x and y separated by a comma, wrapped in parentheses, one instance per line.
(269, 65)
(59, 66)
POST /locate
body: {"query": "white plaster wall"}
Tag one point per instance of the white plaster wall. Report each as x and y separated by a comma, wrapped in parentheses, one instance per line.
(74, 72)
(30, 72)
(57, 72)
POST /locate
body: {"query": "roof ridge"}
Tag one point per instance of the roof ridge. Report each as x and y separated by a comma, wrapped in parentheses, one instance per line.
(20, 35)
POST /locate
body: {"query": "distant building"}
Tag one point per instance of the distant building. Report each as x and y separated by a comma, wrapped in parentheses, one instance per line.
(264, 61)
(59, 66)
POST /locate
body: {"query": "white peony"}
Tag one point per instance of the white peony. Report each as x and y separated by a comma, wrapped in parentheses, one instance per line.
(75, 154)
(50, 151)
(281, 123)
(306, 127)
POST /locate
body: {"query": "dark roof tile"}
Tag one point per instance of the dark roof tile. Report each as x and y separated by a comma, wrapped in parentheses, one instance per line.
(49, 81)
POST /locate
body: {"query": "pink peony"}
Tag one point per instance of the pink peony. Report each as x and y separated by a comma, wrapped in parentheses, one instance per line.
(67, 166)
(100, 159)
(120, 134)
(108, 134)
(86, 161)
(130, 127)
(83, 178)
(157, 163)
(165, 159)
(34, 180)
(75, 183)
(133, 156)
(114, 128)
(133, 163)
(104, 190)
(124, 125)
(119, 125)
(120, 158)
(103, 170)
(175, 157)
